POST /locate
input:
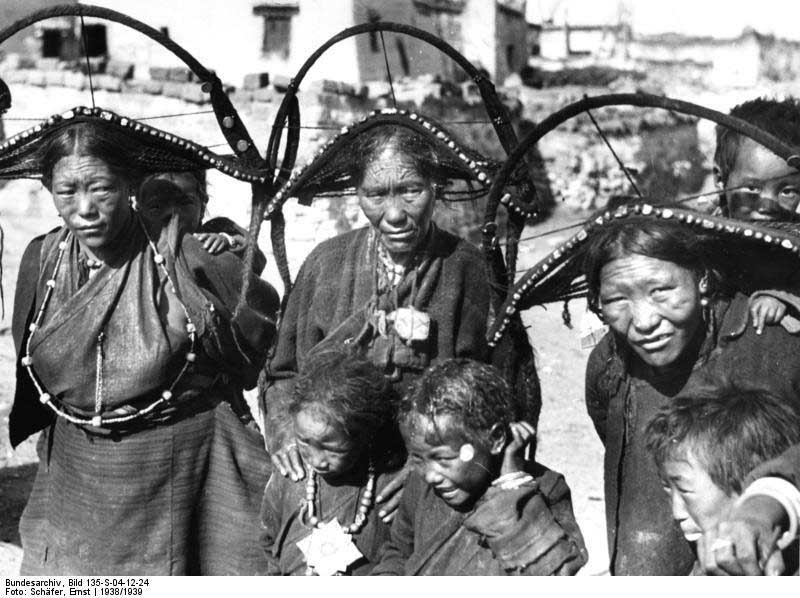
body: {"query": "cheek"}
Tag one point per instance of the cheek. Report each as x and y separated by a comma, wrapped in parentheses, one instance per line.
(372, 211)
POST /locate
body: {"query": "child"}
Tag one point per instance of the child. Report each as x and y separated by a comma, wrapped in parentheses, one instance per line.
(186, 193)
(473, 505)
(704, 449)
(763, 188)
(342, 413)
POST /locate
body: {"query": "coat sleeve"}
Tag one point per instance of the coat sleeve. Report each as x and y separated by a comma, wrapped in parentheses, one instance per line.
(598, 398)
(400, 546)
(28, 415)
(531, 530)
(236, 337)
(284, 365)
(271, 517)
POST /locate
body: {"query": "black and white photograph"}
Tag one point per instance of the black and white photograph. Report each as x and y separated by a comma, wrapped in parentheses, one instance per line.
(397, 288)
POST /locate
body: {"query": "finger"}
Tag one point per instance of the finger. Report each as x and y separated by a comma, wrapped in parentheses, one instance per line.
(528, 427)
(775, 564)
(296, 468)
(390, 489)
(725, 560)
(388, 511)
(218, 246)
(201, 236)
(760, 324)
(277, 461)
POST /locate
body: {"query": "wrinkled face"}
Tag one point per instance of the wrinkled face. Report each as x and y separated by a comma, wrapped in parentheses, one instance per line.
(397, 200)
(653, 304)
(698, 503)
(458, 483)
(771, 188)
(168, 194)
(323, 445)
(92, 200)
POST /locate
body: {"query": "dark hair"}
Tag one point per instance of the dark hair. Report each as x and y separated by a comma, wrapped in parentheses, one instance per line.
(781, 118)
(667, 240)
(475, 394)
(729, 432)
(354, 395)
(89, 138)
(421, 151)
(198, 176)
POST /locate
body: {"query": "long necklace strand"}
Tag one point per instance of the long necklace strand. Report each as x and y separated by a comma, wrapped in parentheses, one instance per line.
(97, 421)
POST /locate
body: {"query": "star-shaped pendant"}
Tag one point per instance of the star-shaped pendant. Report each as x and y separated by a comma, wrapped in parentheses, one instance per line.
(329, 549)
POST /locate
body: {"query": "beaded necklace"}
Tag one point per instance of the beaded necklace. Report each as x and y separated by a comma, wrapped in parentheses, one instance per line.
(329, 550)
(98, 420)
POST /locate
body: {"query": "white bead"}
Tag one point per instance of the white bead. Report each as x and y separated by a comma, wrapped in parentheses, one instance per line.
(27, 361)
(44, 398)
(51, 283)
(62, 246)
(190, 328)
(166, 395)
(33, 327)
(158, 258)
(190, 357)
(97, 421)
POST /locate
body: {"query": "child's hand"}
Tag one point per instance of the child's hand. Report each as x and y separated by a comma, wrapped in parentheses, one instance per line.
(214, 243)
(288, 462)
(522, 434)
(766, 311)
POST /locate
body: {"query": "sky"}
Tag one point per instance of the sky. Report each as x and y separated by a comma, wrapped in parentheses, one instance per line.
(717, 18)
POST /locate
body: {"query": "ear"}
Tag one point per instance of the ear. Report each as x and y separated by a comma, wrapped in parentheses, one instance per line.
(498, 438)
(718, 177)
(703, 284)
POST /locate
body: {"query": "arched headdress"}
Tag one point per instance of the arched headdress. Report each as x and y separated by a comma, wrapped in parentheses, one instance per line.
(559, 276)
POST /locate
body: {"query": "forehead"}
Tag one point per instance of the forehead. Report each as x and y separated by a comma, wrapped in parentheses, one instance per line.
(390, 162)
(81, 166)
(635, 268)
(423, 435)
(756, 161)
(312, 422)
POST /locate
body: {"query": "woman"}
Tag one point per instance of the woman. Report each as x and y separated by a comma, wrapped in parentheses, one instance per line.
(131, 360)
(658, 285)
(405, 291)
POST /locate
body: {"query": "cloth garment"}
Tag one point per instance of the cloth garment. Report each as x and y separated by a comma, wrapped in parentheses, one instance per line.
(620, 396)
(333, 300)
(527, 531)
(282, 526)
(175, 493)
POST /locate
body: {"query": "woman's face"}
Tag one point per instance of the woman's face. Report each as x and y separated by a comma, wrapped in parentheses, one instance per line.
(92, 200)
(397, 200)
(653, 304)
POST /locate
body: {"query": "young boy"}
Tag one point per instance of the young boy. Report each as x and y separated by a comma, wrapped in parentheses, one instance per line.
(705, 448)
(763, 188)
(473, 505)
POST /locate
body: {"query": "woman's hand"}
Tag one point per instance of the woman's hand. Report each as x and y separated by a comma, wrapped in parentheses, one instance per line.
(766, 311)
(745, 541)
(391, 494)
(522, 434)
(289, 463)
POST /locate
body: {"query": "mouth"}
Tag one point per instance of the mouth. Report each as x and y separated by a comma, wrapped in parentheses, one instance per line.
(88, 230)
(399, 236)
(654, 343)
(446, 493)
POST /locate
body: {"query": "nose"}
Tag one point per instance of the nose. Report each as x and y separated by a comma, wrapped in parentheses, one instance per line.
(395, 212)
(316, 460)
(86, 206)
(431, 476)
(679, 512)
(645, 316)
(766, 203)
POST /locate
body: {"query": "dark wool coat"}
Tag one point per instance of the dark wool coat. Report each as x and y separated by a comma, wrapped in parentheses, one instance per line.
(178, 494)
(642, 537)
(527, 531)
(331, 301)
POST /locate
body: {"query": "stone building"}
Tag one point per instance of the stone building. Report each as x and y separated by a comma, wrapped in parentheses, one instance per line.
(238, 37)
